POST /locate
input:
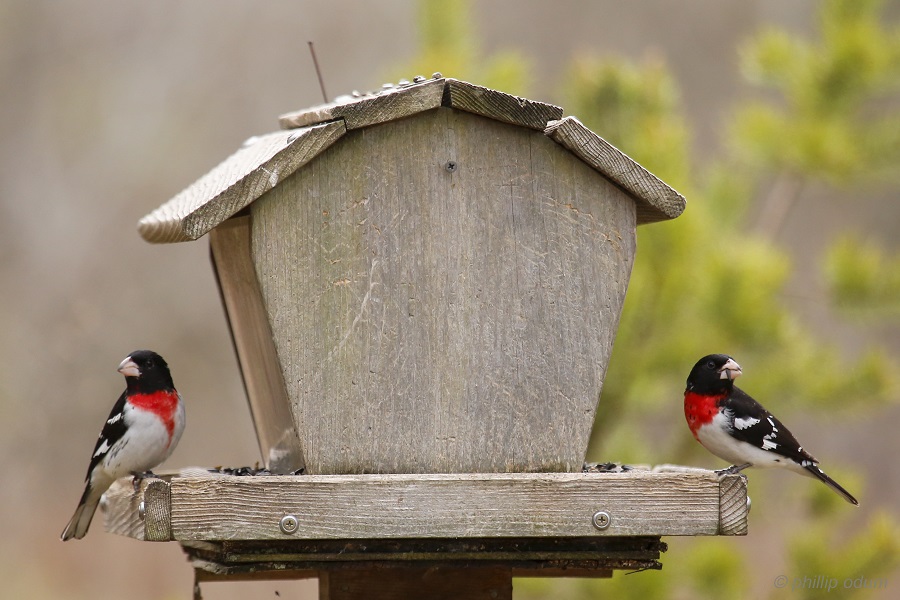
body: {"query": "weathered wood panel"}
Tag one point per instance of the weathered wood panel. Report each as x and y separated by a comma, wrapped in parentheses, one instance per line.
(390, 105)
(252, 337)
(445, 506)
(123, 514)
(405, 101)
(733, 507)
(404, 512)
(656, 201)
(236, 182)
(444, 292)
(499, 105)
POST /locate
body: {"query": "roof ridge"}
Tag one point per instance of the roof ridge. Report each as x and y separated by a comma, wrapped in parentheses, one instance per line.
(265, 160)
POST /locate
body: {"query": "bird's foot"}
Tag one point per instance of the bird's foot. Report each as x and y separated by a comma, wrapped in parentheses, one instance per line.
(138, 477)
(733, 469)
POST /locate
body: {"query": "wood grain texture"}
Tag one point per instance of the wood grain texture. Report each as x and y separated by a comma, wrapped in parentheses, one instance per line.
(314, 115)
(445, 506)
(435, 319)
(252, 336)
(266, 159)
(120, 510)
(382, 107)
(236, 182)
(406, 101)
(733, 507)
(122, 513)
(499, 105)
(437, 583)
(656, 201)
(157, 499)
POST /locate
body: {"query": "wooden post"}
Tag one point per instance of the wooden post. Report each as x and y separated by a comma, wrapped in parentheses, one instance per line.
(436, 583)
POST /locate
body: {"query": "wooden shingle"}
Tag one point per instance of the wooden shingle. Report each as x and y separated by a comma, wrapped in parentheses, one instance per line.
(265, 160)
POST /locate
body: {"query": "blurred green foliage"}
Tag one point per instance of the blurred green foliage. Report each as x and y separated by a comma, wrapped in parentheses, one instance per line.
(709, 282)
(845, 554)
(448, 45)
(837, 119)
(863, 277)
(635, 105)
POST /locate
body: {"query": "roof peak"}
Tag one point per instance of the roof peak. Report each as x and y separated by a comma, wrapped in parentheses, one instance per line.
(411, 97)
(265, 160)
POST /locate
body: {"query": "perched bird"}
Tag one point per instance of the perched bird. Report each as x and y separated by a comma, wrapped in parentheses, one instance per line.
(140, 433)
(735, 427)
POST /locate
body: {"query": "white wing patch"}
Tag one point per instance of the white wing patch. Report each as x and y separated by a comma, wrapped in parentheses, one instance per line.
(102, 449)
(113, 420)
(745, 422)
(769, 442)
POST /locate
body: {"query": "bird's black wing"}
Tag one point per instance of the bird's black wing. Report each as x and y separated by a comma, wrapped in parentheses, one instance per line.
(112, 431)
(757, 426)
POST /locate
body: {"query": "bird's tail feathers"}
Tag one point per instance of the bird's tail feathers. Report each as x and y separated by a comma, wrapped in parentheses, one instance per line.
(81, 520)
(819, 474)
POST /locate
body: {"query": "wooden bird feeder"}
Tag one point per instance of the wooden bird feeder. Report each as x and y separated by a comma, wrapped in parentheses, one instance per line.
(423, 287)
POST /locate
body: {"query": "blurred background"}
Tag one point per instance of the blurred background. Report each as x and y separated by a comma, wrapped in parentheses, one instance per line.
(779, 122)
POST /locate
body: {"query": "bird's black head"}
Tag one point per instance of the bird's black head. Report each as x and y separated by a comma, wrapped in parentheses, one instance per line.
(145, 371)
(713, 374)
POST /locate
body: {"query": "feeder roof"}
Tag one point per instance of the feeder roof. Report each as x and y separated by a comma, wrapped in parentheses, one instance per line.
(265, 160)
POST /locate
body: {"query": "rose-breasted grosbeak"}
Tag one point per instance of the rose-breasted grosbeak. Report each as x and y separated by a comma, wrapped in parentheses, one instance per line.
(140, 433)
(735, 427)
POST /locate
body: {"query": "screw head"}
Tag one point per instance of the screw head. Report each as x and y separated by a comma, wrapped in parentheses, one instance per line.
(288, 524)
(451, 166)
(600, 519)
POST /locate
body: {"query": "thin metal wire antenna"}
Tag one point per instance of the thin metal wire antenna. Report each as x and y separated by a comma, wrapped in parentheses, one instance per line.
(312, 51)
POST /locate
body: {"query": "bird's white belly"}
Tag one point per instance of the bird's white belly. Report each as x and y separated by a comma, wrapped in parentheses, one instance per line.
(716, 439)
(144, 446)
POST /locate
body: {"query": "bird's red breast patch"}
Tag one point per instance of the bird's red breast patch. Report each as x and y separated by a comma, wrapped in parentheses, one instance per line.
(699, 409)
(162, 403)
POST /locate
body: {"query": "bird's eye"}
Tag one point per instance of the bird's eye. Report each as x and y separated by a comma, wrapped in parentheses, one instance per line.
(711, 364)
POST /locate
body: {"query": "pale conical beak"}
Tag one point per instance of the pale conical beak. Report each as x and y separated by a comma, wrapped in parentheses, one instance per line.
(128, 368)
(730, 370)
